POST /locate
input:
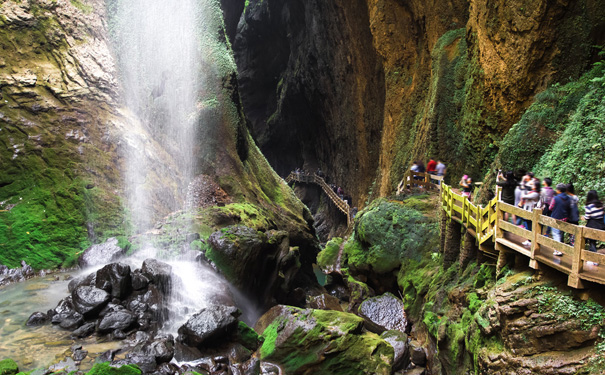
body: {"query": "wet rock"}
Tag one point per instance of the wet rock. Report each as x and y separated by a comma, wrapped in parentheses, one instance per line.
(209, 325)
(146, 363)
(89, 300)
(139, 281)
(69, 320)
(330, 342)
(107, 356)
(166, 369)
(325, 302)
(251, 367)
(383, 313)
(99, 254)
(416, 371)
(79, 355)
(115, 279)
(68, 365)
(399, 341)
(162, 348)
(85, 330)
(120, 319)
(84, 280)
(417, 353)
(37, 319)
(159, 273)
(118, 335)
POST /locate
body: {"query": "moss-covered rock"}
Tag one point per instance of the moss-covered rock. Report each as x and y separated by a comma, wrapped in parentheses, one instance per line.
(106, 369)
(327, 258)
(326, 342)
(389, 232)
(8, 367)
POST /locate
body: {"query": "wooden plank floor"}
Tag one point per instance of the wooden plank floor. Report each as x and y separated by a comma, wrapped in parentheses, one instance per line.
(561, 263)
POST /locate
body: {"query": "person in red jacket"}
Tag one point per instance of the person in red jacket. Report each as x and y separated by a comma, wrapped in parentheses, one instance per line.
(431, 167)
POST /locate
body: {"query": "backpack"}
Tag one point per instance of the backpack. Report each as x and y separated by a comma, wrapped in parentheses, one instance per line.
(574, 213)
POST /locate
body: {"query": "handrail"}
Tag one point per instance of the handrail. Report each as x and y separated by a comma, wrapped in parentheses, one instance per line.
(341, 204)
(426, 181)
(487, 223)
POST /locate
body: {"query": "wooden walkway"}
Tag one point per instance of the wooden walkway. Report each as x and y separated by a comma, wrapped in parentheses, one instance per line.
(486, 225)
(340, 203)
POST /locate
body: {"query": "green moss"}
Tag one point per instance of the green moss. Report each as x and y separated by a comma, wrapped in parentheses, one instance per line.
(8, 367)
(85, 8)
(247, 336)
(106, 369)
(329, 255)
(329, 342)
(388, 232)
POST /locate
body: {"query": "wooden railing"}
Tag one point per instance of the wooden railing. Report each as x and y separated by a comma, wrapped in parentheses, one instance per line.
(487, 223)
(340, 203)
(418, 179)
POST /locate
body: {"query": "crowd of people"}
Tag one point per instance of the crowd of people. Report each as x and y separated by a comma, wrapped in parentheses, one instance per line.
(560, 203)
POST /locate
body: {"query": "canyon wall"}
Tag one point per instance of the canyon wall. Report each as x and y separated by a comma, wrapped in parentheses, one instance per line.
(362, 88)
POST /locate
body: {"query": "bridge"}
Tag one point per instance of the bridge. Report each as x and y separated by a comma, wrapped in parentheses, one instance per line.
(486, 233)
(340, 203)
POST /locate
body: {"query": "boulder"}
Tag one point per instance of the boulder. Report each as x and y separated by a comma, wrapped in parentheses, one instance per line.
(120, 319)
(159, 273)
(162, 348)
(88, 300)
(209, 325)
(115, 279)
(399, 341)
(325, 302)
(417, 353)
(85, 330)
(146, 363)
(99, 254)
(84, 280)
(37, 319)
(139, 281)
(322, 342)
(384, 313)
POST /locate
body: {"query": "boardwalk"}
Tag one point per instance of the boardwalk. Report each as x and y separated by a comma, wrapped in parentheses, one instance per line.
(487, 231)
(340, 203)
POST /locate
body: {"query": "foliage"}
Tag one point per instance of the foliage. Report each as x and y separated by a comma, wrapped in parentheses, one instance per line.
(106, 369)
(8, 367)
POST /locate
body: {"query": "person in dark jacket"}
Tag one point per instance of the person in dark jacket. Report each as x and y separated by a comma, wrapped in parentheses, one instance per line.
(593, 213)
(508, 189)
(560, 209)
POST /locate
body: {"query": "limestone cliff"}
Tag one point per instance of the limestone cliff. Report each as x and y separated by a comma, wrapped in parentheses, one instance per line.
(65, 133)
(361, 88)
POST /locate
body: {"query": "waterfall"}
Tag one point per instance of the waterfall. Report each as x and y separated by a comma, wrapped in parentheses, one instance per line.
(160, 46)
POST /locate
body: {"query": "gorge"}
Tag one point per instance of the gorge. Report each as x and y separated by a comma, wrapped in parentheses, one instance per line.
(146, 227)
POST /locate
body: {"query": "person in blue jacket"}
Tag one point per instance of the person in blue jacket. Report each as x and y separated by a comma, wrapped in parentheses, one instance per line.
(560, 208)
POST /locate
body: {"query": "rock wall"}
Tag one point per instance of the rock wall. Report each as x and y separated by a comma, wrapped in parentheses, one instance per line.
(63, 143)
(395, 81)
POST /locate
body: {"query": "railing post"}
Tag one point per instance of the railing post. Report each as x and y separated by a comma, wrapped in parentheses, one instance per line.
(574, 280)
(536, 232)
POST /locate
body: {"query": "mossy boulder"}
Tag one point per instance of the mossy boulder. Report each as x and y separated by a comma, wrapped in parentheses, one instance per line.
(327, 259)
(323, 342)
(106, 369)
(8, 367)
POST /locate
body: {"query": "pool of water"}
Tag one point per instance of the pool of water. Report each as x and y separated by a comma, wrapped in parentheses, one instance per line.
(35, 347)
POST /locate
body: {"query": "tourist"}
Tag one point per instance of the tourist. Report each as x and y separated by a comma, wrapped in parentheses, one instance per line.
(440, 169)
(560, 208)
(431, 166)
(593, 214)
(414, 167)
(467, 186)
(320, 173)
(508, 189)
(574, 213)
(354, 212)
(529, 201)
(546, 197)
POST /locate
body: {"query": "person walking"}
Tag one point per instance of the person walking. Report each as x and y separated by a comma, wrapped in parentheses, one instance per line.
(546, 197)
(529, 201)
(431, 166)
(593, 214)
(467, 186)
(560, 208)
(440, 169)
(509, 184)
(574, 213)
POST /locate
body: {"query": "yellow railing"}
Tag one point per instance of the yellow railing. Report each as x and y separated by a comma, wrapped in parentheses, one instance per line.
(487, 223)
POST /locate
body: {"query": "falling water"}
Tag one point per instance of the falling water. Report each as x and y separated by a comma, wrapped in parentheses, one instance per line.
(160, 44)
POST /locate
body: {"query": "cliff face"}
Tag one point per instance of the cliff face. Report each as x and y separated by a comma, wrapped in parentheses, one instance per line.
(65, 134)
(396, 81)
